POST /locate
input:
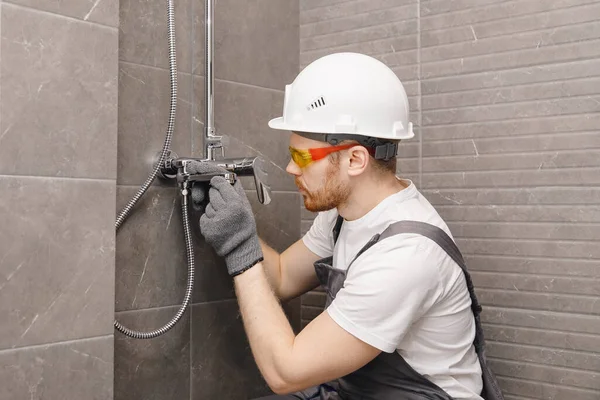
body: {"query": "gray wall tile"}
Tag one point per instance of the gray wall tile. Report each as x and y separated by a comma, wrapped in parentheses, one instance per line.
(59, 96)
(143, 33)
(222, 363)
(76, 370)
(151, 262)
(57, 264)
(250, 39)
(144, 101)
(153, 369)
(510, 161)
(102, 11)
(242, 113)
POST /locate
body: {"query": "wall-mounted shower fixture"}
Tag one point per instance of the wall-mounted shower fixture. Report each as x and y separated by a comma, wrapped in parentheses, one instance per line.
(170, 166)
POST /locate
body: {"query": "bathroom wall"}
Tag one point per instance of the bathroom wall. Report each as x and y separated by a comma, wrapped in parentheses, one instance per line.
(58, 146)
(509, 155)
(206, 356)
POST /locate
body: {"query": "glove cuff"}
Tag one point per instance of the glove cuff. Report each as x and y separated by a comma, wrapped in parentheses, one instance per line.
(244, 257)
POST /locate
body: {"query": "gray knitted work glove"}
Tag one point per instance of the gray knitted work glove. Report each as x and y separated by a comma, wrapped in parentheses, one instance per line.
(228, 225)
(199, 190)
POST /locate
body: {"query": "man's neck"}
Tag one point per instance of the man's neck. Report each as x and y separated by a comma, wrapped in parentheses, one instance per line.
(367, 194)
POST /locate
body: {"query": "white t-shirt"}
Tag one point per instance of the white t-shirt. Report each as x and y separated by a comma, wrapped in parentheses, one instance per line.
(405, 293)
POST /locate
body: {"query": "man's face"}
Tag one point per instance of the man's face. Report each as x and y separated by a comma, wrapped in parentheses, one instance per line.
(320, 183)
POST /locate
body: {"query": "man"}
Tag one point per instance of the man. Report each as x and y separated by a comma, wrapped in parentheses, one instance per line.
(399, 322)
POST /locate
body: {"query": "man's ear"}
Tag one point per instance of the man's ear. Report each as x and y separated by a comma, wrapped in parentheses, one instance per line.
(358, 160)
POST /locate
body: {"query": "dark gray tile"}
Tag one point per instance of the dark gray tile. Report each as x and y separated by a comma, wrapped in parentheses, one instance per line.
(143, 37)
(144, 103)
(59, 96)
(212, 280)
(68, 371)
(242, 113)
(255, 42)
(102, 11)
(222, 363)
(151, 262)
(153, 369)
(57, 263)
(278, 223)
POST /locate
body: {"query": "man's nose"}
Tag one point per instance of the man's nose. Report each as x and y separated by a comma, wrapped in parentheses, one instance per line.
(293, 169)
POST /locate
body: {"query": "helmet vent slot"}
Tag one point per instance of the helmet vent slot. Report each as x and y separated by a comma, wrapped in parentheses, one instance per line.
(320, 102)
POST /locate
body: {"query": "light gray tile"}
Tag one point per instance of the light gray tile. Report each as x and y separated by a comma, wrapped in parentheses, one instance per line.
(518, 59)
(255, 42)
(546, 374)
(144, 104)
(377, 34)
(102, 11)
(151, 262)
(359, 21)
(153, 369)
(566, 124)
(222, 363)
(59, 96)
(143, 33)
(557, 321)
(242, 113)
(502, 10)
(68, 371)
(520, 388)
(524, 40)
(532, 336)
(57, 264)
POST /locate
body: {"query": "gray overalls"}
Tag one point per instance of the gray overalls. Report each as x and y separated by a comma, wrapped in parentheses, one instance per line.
(388, 376)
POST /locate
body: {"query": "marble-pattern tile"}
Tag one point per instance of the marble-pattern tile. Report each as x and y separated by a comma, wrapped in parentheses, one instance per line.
(144, 104)
(105, 12)
(153, 369)
(59, 96)
(242, 114)
(151, 262)
(76, 370)
(222, 363)
(256, 42)
(143, 33)
(56, 259)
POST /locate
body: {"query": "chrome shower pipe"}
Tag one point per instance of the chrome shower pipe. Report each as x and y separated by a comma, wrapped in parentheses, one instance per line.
(211, 140)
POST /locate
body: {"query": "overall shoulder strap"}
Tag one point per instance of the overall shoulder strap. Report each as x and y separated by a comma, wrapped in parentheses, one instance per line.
(337, 228)
(442, 239)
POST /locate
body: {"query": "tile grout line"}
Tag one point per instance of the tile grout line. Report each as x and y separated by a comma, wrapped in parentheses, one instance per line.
(420, 93)
(193, 75)
(62, 342)
(63, 178)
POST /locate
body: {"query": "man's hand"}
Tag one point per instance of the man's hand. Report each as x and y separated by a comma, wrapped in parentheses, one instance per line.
(228, 225)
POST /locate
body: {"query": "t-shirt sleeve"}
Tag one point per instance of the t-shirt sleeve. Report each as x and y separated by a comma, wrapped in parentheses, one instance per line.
(319, 238)
(387, 289)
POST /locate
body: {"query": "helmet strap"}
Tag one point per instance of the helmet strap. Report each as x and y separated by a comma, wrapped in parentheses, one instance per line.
(384, 149)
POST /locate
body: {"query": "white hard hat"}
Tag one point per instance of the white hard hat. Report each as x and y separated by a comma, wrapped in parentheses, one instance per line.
(346, 93)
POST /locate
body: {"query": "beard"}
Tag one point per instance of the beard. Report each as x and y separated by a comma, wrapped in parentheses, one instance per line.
(331, 195)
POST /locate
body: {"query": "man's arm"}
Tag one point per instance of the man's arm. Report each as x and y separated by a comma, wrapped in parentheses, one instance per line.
(321, 352)
(290, 273)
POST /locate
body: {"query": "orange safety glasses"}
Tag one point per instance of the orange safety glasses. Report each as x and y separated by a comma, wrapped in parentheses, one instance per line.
(302, 158)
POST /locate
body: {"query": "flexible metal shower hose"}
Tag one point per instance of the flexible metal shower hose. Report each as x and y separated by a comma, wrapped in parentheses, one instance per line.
(185, 193)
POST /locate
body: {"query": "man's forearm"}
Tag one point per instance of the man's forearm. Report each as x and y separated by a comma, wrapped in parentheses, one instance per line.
(270, 335)
(272, 267)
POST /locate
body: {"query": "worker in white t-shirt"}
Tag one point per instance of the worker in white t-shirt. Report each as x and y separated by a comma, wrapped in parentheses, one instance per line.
(399, 321)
